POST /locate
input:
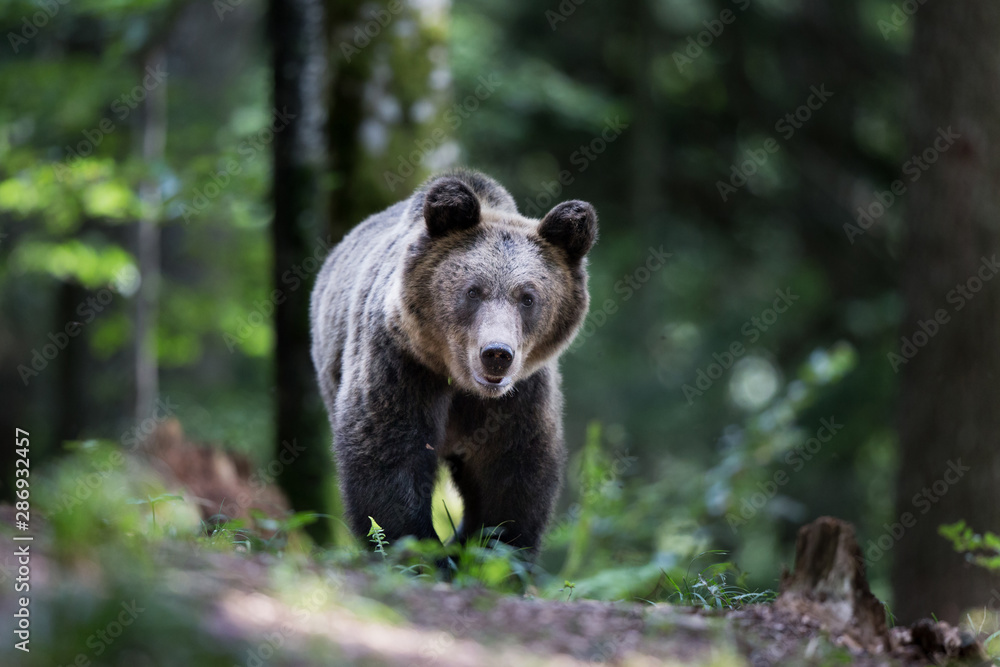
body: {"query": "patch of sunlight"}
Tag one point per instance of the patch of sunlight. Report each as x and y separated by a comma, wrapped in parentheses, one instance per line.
(446, 495)
(754, 383)
(109, 199)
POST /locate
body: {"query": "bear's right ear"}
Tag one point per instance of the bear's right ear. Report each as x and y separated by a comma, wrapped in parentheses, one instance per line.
(450, 205)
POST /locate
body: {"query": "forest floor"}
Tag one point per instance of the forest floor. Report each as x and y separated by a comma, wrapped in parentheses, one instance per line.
(209, 607)
(120, 570)
(440, 625)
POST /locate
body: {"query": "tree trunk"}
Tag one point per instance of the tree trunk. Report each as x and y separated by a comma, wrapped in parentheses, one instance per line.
(380, 148)
(298, 59)
(949, 418)
(347, 106)
(152, 142)
(71, 417)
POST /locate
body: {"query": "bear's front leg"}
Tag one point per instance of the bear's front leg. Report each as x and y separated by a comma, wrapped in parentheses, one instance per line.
(507, 457)
(385, 430)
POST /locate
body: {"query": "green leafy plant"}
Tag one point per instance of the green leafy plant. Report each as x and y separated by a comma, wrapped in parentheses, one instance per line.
(153, 502)
(568, 586)
(982, 549)
(483, 561)
(284, 528)
(491, 563)
(376, 535)
(890, 618)
(228, 533)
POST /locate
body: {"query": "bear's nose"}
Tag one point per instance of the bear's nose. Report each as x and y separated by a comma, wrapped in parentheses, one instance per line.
(496, 358)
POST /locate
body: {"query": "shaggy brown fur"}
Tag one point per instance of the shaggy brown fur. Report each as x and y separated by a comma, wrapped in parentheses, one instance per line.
(436, 328)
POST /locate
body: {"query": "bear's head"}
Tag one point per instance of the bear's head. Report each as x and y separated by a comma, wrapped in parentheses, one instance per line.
(488, 296)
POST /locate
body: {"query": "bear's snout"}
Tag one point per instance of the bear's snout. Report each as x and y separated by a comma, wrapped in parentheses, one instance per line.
(496, 358)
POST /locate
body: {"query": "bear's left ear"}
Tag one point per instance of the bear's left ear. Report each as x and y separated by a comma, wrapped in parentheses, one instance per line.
(572, 225)
(450, 205)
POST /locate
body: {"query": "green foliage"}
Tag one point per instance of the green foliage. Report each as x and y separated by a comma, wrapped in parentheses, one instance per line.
(717, 586)
(568, 586)
(992, 644)
(489, 563)
(130, 569)
(89, 500)
(263, 535)
(152, 502)
(145, 546)
(483, 562)
(983, 549)
(376, 536)
(594, 466)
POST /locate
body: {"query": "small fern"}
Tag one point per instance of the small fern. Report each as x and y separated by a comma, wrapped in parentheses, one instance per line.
(377, 537)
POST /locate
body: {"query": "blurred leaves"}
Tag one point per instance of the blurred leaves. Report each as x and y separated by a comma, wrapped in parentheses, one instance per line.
(982, 548)
(73, 259)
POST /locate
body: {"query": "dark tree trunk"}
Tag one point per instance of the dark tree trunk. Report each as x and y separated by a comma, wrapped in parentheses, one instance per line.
(298, 59)
(72, 413)
(152, 139)
(350, 71)
(949, 419)
(367, 71)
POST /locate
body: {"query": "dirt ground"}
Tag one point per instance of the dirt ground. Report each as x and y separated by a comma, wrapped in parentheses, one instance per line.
(264, 610)
(439, 625)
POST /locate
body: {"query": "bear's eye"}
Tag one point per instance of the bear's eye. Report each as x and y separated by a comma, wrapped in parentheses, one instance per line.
(527, 301)
(473, 293)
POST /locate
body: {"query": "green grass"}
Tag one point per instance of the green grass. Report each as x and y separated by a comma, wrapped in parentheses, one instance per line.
(717, 586)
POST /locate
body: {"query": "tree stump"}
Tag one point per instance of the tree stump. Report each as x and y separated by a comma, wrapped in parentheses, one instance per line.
(829, 585)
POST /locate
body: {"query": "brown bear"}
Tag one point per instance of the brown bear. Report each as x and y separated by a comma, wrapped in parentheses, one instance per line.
(436, 328)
